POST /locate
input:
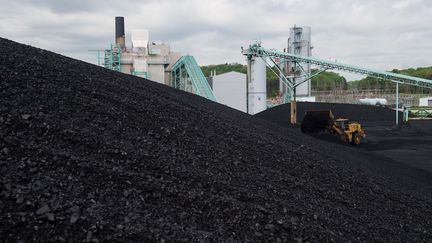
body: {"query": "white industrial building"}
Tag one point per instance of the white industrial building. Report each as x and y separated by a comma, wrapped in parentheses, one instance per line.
(144, 58)
(426, 101)
(230, 89)
(148, 60)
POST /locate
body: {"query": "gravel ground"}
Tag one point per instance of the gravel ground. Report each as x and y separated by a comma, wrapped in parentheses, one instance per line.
(87, 154)
(408, 144)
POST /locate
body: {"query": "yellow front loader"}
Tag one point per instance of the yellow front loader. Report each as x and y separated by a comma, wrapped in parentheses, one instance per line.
(323, 120)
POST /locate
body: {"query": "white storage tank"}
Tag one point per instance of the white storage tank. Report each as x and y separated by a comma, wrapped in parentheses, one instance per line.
(257, 86)
(381, 102)
(373, 101)
(425, 101)
(306, 99)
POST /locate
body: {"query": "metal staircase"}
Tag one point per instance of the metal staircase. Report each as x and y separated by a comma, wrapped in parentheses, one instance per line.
(187, 76)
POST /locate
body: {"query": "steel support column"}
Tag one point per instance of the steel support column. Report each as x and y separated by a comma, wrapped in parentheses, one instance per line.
(397, 103)
(294, 107)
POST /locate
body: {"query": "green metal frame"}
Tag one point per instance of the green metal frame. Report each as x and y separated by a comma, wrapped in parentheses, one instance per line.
(269, 55)
(417, 113)
(112, 57)
(188, 76)
(107, 59)
(257, 50)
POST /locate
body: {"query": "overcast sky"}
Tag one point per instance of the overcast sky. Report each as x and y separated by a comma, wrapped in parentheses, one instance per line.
(378, 34)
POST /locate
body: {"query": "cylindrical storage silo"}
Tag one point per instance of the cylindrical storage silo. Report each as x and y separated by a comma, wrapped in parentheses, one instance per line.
(381, 101)
(257, 87)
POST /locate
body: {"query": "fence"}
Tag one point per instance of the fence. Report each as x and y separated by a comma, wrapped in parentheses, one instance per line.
(353, 96)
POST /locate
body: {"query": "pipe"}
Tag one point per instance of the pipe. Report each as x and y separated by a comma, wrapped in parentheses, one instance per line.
(120, 31)
(397, 103)
(248, 79)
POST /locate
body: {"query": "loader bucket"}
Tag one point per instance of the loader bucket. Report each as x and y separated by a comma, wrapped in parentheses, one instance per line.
(316, 121)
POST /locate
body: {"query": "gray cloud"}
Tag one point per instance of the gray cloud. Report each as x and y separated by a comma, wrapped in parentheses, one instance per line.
(383, 34)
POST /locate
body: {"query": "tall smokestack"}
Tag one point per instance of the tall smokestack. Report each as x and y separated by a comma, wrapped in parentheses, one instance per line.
(119, 31)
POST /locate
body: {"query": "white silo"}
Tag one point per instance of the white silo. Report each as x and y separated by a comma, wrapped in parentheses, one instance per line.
(257, 86)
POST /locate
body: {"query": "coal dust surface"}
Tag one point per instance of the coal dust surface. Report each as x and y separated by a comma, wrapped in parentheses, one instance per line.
(408, 143)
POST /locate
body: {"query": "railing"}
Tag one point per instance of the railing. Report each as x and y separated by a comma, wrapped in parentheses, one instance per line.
(417, 113)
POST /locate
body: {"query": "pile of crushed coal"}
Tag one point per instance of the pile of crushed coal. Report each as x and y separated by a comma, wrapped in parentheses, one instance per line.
(88, 154)
(361, 113)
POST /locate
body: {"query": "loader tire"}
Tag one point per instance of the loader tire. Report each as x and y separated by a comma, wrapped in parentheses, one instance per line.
(356, 139)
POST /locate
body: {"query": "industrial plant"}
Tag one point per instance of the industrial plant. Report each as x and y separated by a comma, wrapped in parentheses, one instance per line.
(143, 59)
(146, 147)
(246, 92)
(158, 63)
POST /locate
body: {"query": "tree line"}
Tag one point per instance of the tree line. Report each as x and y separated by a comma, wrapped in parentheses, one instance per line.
(327, 80)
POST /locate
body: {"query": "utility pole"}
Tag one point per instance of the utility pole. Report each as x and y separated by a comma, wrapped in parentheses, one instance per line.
(397, 103)
(293, 107)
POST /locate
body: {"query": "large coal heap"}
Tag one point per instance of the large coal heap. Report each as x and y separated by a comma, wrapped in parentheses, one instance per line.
(87, 154)
(361, 113)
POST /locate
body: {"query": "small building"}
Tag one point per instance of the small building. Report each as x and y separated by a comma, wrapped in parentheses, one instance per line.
(426, 101)
(230, 89)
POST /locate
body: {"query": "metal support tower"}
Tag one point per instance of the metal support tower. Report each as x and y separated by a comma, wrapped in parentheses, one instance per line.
(299, 43)
(112, 57)
(269, 55)
(187, 76)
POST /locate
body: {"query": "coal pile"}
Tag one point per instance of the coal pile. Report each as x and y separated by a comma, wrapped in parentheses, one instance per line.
(408, 143)
(361, 113)
(316, 121)
(87, 154)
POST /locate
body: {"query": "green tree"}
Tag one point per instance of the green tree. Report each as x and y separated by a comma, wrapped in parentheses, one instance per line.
(326, 81)
(375, 83)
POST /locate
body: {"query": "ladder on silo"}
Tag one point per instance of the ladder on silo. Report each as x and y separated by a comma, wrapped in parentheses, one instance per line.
(188, 76)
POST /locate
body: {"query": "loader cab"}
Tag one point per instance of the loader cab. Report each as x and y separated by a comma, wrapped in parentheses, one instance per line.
(342, 123)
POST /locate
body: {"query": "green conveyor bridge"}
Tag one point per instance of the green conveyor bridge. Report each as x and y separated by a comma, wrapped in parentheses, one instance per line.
(187, 76)
(270, 56)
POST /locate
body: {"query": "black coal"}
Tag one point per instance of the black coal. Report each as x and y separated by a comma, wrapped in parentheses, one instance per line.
(361, 113)
(87, 154)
